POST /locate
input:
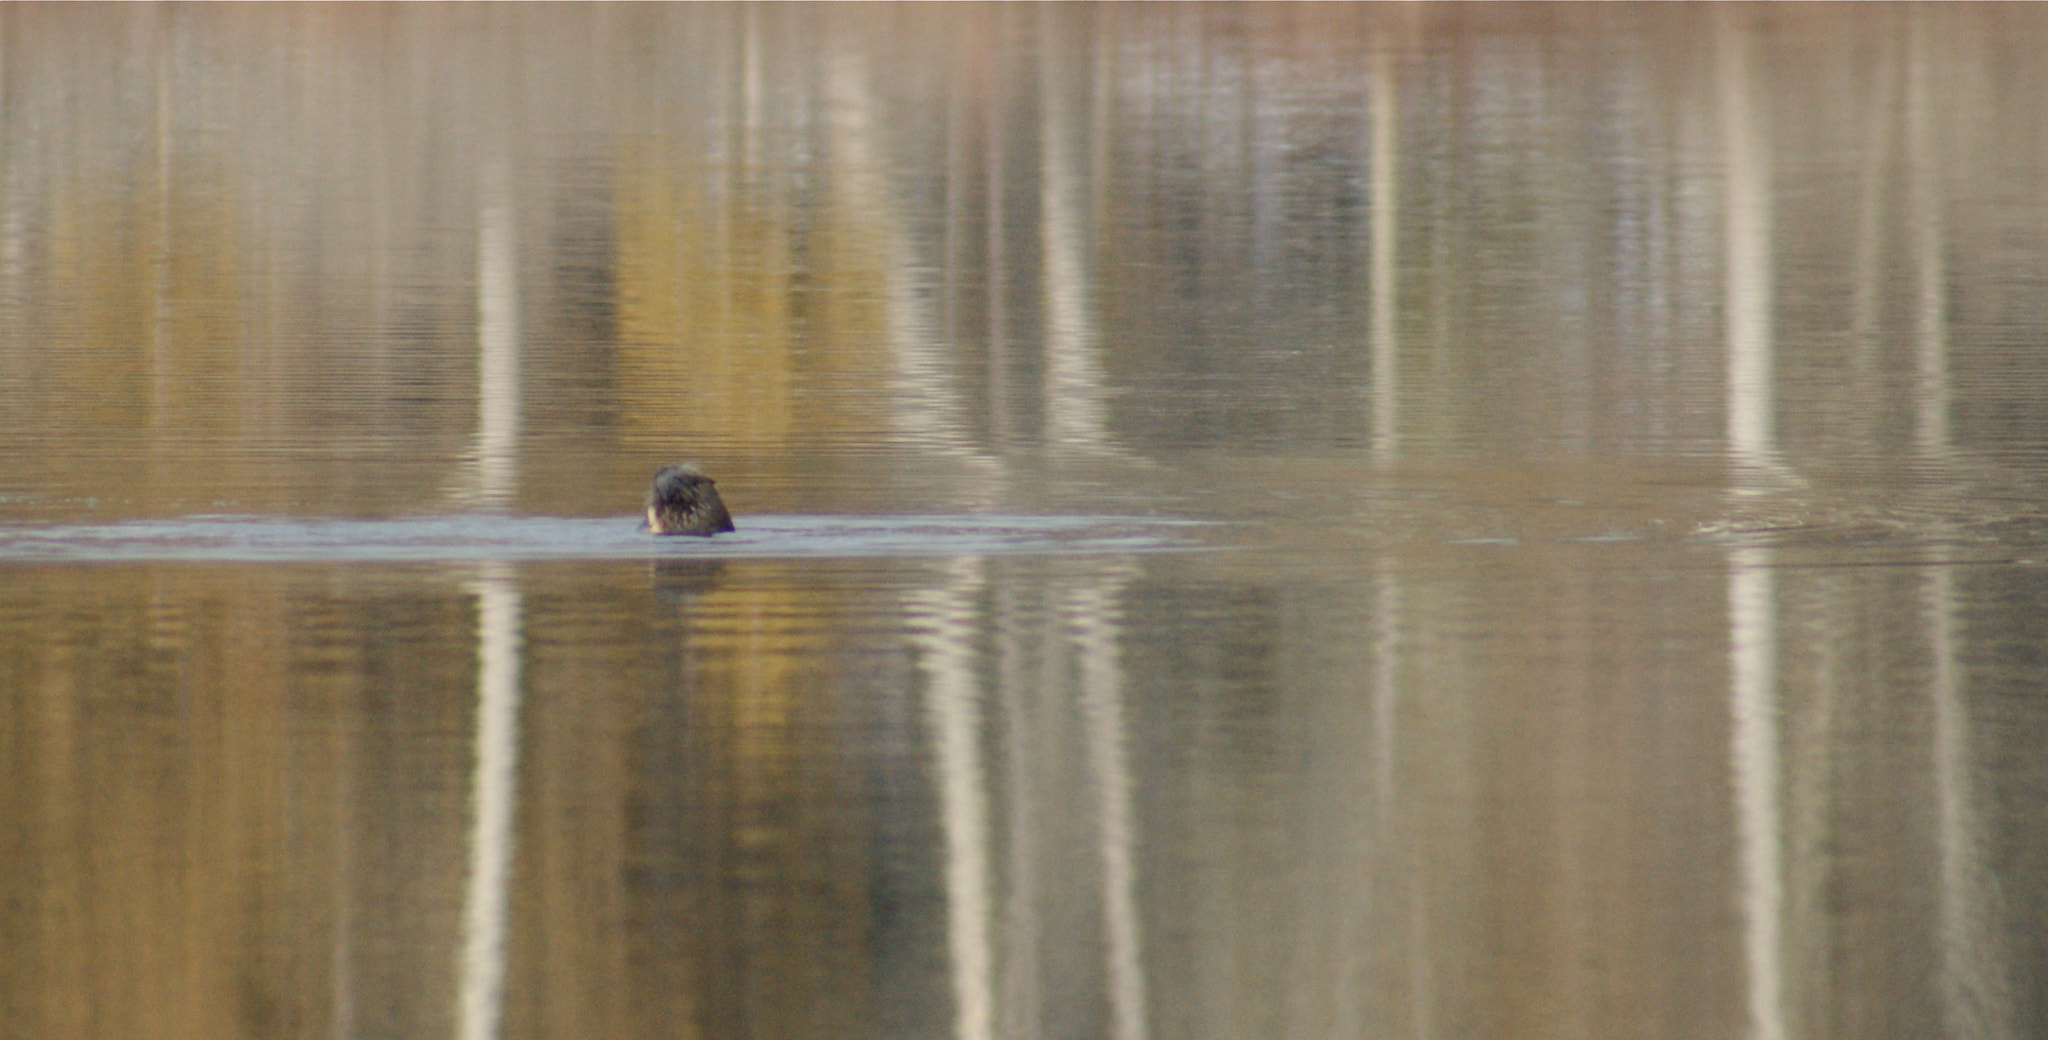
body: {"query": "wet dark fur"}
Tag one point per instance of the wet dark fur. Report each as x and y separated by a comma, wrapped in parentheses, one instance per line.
(684, 501)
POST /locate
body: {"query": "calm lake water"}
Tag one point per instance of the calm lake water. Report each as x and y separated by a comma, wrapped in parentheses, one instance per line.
(1313, 522)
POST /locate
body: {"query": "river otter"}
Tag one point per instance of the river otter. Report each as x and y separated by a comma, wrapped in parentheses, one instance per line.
(684, 501)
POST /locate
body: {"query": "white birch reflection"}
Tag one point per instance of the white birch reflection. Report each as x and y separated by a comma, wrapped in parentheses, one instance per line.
(927, 399)
(1075, 417)
(486, 897)
(487, 894)
(1974, 992)
(1752, 589)
(1029, 764)
(943, 624)
(1386, 216)
(1752, 433)
(1092, 614)
(1405, 912)
(1759, 816)
(1931, 394)
(496, 450)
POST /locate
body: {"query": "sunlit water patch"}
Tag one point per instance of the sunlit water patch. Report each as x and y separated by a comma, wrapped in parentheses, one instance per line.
(477, 537)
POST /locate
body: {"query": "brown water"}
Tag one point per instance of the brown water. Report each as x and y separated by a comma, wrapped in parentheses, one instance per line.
(1261, 521)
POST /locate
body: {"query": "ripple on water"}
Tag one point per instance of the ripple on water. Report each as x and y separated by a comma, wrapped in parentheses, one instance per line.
(480, 537)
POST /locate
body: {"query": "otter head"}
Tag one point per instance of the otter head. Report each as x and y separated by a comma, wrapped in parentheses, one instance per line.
(684, 501)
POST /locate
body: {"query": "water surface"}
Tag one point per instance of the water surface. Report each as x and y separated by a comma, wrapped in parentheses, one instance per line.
(1282, 521)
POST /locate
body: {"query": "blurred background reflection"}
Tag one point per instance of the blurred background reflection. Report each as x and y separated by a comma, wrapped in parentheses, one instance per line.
(1621, 436)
